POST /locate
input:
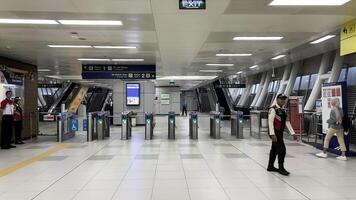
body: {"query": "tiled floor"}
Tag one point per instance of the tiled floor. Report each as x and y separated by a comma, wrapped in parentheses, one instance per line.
(182, 169)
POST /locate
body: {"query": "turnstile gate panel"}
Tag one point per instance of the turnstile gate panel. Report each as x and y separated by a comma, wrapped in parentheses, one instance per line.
(148, 126)
(125, 126)
(193, 125)
(237, 124)
(171, 125)
(215, 124)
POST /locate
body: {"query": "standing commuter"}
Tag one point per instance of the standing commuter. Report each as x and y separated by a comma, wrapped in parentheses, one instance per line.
(184, 111)
(335, 126)
(7, 107)
(18, 121)
(277, 122)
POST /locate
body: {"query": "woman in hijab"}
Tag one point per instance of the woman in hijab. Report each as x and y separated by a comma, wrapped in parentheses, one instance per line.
(335, 126)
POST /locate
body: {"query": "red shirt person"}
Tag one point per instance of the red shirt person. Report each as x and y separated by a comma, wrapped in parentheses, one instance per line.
(7, 107)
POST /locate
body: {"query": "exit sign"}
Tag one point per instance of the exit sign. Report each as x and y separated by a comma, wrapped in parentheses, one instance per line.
(192, 4)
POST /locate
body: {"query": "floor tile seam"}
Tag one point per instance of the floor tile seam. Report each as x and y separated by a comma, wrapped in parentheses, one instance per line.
(154, 180)
(185, 178)
(273, 175)
(76, 167)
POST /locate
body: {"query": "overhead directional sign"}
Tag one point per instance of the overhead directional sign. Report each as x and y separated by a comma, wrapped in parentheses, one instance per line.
(119, 72)
(348, 38)
(192, 4)
(231, 86)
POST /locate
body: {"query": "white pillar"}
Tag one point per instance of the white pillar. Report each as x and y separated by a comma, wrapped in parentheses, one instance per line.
(324, 66)
(283, 82)
(337, 66)
(264, 91)
(258, 92)
(292, 77)
(246, 93)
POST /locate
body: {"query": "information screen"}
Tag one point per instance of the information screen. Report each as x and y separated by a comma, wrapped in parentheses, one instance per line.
(133, 94)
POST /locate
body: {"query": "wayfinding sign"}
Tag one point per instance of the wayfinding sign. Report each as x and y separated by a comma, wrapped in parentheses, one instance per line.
(119, 72)
(348, 38)
(231, 86)
(192, 4)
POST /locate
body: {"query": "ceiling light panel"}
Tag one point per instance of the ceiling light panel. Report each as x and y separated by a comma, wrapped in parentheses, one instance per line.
(211, 70)
(69, 46)
(94, 59)
(220, 65)
(115, 47)
(308, 2)
(43, 70)
(196, 78)
(91, 22)
(322, 39)
(128, 60)
(28, 21)
(233, 54)
(240, 72)
(254, 67)
(269, 38)
(278, 57)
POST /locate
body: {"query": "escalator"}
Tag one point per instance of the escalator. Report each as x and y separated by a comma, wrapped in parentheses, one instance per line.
(221, 96)
(96, 99)
(66, 96)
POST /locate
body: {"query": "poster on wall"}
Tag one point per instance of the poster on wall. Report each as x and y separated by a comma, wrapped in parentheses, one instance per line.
(11, 78)
(165, 99)
(132, 94)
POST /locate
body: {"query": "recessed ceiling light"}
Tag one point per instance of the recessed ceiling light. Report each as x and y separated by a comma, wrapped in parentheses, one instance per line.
(115, 47)
(128, 60)
(278, 57)
(257, 38)
(93, 59)
(308, 2)
(69, 46)
(322, 39)
(233, 54)
(91, 22)
(211, 70)
(254, 66)
(240, 72)
(221, 65)
(67, 77)
(27, 21)
(196, 78)
(43, 70)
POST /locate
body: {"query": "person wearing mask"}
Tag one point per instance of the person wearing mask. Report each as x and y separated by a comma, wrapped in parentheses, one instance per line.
(335, 126)
(18, 121)
(277, 122)
(7, 107)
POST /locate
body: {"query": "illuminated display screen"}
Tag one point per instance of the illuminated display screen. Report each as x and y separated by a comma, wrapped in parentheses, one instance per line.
(133, 94)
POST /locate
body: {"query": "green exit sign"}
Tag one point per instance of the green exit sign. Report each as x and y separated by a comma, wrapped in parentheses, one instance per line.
(192, 4)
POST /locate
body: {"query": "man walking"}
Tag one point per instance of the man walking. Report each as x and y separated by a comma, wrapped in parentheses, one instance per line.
(277, 122)
(7, 107)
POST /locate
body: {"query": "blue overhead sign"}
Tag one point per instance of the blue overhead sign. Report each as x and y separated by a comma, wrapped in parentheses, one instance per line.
(119, 72)
(192, 4)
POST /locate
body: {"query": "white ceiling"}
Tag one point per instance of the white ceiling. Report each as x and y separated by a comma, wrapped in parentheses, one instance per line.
(179, 42)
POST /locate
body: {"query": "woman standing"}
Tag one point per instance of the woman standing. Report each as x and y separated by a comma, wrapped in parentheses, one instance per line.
(335, 126)
(18, 121)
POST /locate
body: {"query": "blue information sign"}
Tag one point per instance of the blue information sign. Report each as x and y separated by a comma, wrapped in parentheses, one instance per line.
(73, 123)
(85, 124)
(119, 71)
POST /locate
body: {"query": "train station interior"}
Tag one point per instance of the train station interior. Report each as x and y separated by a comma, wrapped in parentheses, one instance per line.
(178, 99)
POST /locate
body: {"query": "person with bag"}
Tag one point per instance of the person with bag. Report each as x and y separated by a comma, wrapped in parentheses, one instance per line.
(277, 122)
(335, 122)
(18, 121)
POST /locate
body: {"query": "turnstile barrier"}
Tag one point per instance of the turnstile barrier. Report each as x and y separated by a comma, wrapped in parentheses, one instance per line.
(125, 126)
(215, 124)
(98, 126)
(171, 125)
(237, 124)
(64, 131)
(149, 126)
(193, 125)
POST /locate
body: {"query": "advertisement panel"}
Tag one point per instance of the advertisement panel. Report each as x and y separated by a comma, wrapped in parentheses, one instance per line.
(132, 94)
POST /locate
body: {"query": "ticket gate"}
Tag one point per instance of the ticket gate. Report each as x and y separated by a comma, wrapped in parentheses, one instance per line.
(215, 122)
(148, 126)
(64, 131)
(171, 125)
(237, 124)
(193, 125)
(98, 126)
(125, 126)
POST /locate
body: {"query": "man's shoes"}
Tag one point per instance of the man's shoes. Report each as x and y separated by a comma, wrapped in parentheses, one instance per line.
(283, 172)
(12, 146)
(343, 158)
(322, 155)
(19, 142)
(272, 169)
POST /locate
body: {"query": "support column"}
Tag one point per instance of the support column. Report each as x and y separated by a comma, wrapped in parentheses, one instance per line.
(283, 82)
(258, 92)
(292, 77)
(246, 93)
(264, 91)
(337, 66)
(324, 66)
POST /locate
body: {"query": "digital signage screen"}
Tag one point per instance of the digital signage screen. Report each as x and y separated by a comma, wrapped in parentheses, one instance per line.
(192, 4)
(133, 94)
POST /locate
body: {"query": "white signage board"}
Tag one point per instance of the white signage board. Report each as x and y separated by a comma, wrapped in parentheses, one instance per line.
(329, 93)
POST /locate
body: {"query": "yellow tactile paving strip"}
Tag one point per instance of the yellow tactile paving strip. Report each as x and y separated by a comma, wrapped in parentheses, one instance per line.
(25, 163)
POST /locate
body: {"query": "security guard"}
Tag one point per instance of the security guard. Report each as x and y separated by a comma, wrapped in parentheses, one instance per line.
(277, 122)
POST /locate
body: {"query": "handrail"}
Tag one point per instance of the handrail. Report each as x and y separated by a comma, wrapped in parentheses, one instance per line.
(58, 100)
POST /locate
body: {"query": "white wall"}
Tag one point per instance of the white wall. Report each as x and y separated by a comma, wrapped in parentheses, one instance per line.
(174, 104)
(147, 95)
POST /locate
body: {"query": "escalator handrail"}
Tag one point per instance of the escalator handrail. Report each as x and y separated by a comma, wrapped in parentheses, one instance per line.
(59, 99)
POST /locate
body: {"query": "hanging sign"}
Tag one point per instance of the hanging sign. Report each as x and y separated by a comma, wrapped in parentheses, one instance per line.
(192, 4)
(119, 72)
(348, 38)
(231, 86)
